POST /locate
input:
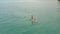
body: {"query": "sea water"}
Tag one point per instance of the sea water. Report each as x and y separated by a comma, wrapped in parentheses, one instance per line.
(15, 17)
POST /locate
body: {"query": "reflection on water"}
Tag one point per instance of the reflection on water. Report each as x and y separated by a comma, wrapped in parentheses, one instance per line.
(14, 17)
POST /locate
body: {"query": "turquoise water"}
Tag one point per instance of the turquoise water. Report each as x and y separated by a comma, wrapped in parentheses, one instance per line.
(15, 17)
